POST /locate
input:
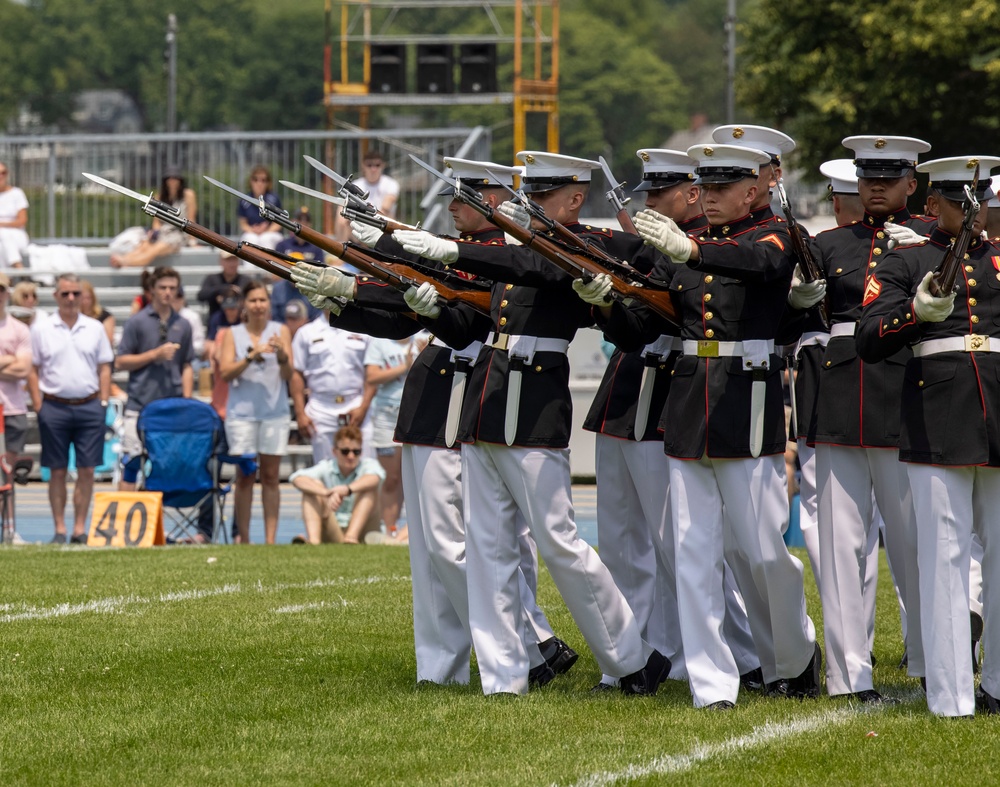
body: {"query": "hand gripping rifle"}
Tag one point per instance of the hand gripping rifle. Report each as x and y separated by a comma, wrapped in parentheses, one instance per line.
(397, 275)
(577, 264)
(943, 280)
(353, 200)
(266, 259)
(616, 196)
(800, 248)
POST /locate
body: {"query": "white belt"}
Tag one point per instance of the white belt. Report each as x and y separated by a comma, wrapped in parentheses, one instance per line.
(470, 352)
(843, 329)
(705, 348)
(661, 347)
(971, 343)
(813, 337)
(527, 346)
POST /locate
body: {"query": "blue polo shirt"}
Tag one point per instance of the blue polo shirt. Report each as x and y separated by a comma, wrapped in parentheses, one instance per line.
(160, 379)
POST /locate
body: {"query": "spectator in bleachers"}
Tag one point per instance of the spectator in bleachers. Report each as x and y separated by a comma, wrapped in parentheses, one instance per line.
(386, 363)
(254, 227)
(296, 316)
(69, 386)
(230, 314)
(15, 364)
(283, 292)
(13, 221)
(90, 306)
(163, 239)
(194, 320)
(217, 286)
(156, 350)
(142, 300)
(25, 297)
(255, 358)
(340, 495)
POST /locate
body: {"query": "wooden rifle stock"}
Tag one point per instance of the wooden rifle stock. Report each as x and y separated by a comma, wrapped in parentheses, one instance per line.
(626, 223)
(943, 280)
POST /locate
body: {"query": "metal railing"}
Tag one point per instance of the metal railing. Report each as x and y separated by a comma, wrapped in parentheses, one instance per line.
(66, 207)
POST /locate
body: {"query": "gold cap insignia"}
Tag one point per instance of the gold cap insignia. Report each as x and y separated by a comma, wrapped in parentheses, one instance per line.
(708, 151)
(880, 143)
(738, 133)
(529, 159)
(973, 163)
(644, 156)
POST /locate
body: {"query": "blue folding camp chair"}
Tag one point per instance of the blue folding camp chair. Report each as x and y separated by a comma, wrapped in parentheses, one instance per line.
(181, 443)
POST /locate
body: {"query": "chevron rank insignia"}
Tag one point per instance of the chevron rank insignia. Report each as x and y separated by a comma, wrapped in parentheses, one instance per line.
(872, 290)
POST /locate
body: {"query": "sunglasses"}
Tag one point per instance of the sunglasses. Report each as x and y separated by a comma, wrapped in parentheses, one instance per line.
(349, 451)
(66, 294)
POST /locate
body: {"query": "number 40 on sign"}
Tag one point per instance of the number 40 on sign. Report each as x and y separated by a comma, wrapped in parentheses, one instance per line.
(127, 519)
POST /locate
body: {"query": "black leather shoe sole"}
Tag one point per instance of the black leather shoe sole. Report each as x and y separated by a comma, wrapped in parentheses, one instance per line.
(807, 685)
(720, 705)
(986, 704)
(563, 658)
(646, 681)
(872, 697)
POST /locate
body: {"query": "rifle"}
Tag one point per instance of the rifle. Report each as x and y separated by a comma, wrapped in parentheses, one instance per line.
(397, 275)
(943, 281)
(352, 207)
(270, 261)
(577, 265)
(803, 254)
(616, 196)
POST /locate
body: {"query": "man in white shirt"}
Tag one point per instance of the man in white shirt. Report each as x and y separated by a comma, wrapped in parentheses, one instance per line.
(330, 363)
(13, 221)
(69, 387)
(383, 191)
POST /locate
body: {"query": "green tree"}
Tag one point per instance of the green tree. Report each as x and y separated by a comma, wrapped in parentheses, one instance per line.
(826, 71)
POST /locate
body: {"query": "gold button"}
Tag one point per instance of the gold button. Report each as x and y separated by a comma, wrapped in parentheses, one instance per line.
(968, 269)
(839, 270)
(725, 230)
(708, 297)
(891, 218)
(895, 322)
(709, 315)
(538, 368)
(364, 278)
(443, 371)
(828, 364)
(872, 264)
(663, 366)
(709, 333)
(907, 315)
(503, 320)
(673, 372)
(503, 303)
(709, 279)
(680, 287)
(509, 287)
(880, 234)
(966, 256)
(972, 301)
(921, 383)
(876, 251)
(972, 282)
(974, 319)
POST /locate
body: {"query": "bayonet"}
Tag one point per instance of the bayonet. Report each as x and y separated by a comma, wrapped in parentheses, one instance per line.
(343, 184)
(313, 193)
(616, 196)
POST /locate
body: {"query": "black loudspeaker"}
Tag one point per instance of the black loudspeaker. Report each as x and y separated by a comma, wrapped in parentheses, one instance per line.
(479, 68)
(435, 68)
(388, 68)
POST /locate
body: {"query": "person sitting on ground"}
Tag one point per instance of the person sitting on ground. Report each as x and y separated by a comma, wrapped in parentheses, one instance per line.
(340, 495)
(163, 239)
(254, 227)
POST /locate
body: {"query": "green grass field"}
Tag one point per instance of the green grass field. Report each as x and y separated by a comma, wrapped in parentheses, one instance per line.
(288, 665)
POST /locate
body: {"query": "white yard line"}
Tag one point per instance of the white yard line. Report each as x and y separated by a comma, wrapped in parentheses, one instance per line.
(119, 604)
(681, 763)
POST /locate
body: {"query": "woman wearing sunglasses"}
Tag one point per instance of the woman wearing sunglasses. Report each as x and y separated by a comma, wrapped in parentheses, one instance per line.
(254, 227)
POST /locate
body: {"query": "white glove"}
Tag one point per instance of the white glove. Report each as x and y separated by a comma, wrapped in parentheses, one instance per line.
(426, 245)
(901, 236)
(927, 308)
(322, 302)
(314, 279)
(804, 295)
(659, 231)
(516, 213)
(595, 291)
(423, 300)
(365, 233)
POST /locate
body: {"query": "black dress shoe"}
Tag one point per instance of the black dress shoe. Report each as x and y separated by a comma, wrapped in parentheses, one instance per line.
(646, 681)
(977, 634)
(807, 684)
(777, 688)
(872, 697)
(986, 704)
(603, 688)
(540, 675)
(753, 680)
(720, 705)
(558, 655)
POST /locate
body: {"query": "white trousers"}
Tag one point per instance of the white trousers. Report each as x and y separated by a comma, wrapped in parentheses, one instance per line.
(13, 242)
(808, 504)
(846, 479)
(950, 504)
(501, 481)
(432, 485)
(748, 533)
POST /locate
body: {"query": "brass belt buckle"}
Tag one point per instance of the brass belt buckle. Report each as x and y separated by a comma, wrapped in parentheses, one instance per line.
(708, 349)
(501, 342)
(976, 342)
